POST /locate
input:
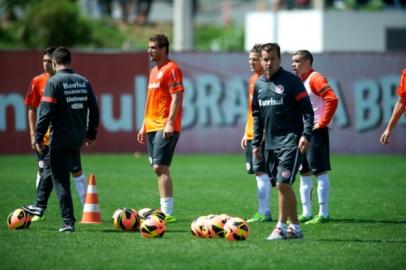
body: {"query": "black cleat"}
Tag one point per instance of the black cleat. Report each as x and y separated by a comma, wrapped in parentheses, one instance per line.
(67, 228)
(34, 210)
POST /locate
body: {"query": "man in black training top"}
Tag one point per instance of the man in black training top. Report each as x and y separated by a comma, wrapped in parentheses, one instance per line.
(283, 117)
(69, 106)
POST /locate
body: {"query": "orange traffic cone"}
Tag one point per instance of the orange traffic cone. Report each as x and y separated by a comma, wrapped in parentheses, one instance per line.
(91, 209)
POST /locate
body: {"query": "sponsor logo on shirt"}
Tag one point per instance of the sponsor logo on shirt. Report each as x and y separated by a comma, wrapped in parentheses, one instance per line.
(271, 102)
(154, 85)
(279, 89)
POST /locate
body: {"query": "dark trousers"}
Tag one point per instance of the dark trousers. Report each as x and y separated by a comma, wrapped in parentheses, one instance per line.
(45, 184)
(60, 162)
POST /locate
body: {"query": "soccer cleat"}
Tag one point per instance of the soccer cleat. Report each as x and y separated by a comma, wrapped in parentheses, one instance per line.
(318, 220)
(277, 234)
(260, 218)
(34, 210)
(303, 219)
(37, 218)
(170, 218)
(67, 228)
(293, 234)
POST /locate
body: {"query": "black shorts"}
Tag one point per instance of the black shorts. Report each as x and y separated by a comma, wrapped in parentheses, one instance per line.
(161, 150)
(43, 162)
(317, 158)
(283, 164)
(253, 165)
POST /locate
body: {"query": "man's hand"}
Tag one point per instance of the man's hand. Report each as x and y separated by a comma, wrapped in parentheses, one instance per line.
(256, 152)
(141, 135)
(243, 142)
(303, 144)
(33, 144)
(385, 137)
(168, 131)
(39, 147)
(89, 142)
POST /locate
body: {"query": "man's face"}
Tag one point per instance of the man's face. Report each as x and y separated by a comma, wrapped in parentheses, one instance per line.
(300, 66)
(47, 64)
(270, 62)
(154, 52)
(254, 60)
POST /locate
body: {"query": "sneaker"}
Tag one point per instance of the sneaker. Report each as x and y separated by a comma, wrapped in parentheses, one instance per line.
(170, 218)
(318, 220)
(37, 218)
(277, 234)
(34, 210)
(260, 218)
(293, 234)
(303, 219)
(67, 228)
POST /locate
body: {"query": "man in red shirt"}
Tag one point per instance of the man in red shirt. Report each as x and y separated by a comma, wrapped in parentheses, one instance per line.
(317, 159)
(398, 110)
(162, 121)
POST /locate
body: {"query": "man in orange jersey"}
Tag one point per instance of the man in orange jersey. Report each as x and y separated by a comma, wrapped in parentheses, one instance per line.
(398, 109)
(253, 164)
(32, 101)
(317, 159)
(162, 121)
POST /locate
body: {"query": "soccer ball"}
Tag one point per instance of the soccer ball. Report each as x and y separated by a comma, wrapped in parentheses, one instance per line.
(127, 220)
(236, 229)
(197, 226)
(152, 227)
(117, 212)
(215, 225)
(18, 219)
(146, 212)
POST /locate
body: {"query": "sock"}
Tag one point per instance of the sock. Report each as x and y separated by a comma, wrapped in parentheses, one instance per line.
(167, 205)
(282, 226)
(263, 193)
(323, 189)
(295, 227)
(80, 184)
(306, 186)
(37, 180)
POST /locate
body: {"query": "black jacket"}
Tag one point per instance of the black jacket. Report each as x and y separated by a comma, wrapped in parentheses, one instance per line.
(69, 106)
(281, 110)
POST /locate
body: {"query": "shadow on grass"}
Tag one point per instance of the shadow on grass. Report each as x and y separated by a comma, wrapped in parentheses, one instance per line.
(353, 220)
(360, 241)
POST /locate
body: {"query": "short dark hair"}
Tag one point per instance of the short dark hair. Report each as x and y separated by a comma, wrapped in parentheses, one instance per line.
(305, 54)
(61, 55)
(268, 47)
(256, 48)
(49, 51)
(162, 41)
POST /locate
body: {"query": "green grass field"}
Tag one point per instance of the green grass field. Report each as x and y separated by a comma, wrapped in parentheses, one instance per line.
(367, 202)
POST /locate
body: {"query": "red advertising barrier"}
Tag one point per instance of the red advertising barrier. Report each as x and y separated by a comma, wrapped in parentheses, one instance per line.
(215, 101)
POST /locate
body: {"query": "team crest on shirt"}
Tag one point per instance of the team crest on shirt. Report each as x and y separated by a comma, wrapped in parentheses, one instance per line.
(286, 173)
(279, 89)
(159, 75)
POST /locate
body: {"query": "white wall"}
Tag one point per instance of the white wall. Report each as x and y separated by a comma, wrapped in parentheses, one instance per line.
(320, 31)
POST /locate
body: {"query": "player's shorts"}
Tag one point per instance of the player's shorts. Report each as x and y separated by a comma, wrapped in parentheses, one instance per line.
(43, 161)
(317, 157)
(252, 164)
(161, 150)
(283, 164)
